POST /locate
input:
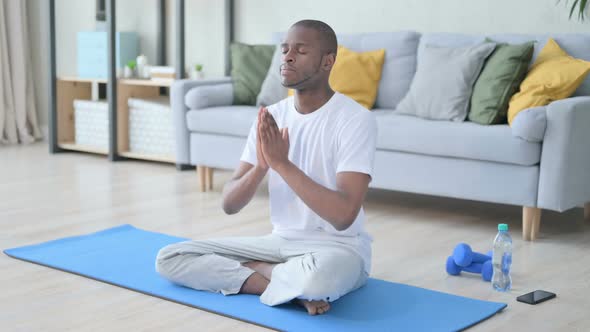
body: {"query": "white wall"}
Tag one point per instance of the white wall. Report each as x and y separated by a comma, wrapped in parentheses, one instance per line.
(79, 15)
(72, 16)
(204, 35)
(204, 31)
(255, 20)
(140, 16)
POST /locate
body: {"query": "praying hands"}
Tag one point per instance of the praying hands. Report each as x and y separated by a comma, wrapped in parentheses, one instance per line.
(272, 143)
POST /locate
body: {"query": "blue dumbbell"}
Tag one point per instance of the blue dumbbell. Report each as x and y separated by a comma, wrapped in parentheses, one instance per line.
(485, 268)
(464, 256)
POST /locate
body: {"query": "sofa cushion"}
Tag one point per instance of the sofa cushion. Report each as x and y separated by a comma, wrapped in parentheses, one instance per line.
(249, 66)
(575, 44)
(227, 120)
(356, 75)
(498, 81)
(442, 87)
(272, 90)
(399, 65)
(443, 39)
(466, 140)
(555, 75)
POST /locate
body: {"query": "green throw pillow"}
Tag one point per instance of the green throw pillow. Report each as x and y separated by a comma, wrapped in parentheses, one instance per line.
(500, 78)
(249, 64)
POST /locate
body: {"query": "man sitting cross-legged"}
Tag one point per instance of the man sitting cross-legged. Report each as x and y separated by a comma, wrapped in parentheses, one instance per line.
(318, 148)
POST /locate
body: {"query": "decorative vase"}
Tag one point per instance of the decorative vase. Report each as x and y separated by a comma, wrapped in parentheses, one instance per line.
(197, 75)
(142, 62)
(128, 72)
(146, 71)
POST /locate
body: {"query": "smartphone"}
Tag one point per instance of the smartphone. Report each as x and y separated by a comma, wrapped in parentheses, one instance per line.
(535, 297)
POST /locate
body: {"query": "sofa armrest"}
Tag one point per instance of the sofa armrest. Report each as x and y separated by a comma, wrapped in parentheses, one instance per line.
(204, 96)
(178, 91)
(564, 179)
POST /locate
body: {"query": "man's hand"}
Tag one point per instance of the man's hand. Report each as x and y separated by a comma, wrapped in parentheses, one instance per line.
(339, 207)
(262, 164)
(247, 177)
(275, 141)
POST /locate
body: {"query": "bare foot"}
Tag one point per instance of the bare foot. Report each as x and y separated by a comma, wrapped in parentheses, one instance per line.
(314, 307)
(264, 268)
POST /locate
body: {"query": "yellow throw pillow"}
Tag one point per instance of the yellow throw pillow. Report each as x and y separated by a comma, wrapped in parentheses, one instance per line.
(357, 75)
(554, 75)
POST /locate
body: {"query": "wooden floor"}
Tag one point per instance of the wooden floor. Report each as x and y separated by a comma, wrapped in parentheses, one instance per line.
(43, 197)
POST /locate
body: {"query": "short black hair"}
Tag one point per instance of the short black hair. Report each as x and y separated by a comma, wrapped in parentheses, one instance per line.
(328, 40)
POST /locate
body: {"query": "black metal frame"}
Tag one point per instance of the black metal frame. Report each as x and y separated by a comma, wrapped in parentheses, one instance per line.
(229, 33)
(53, 147)
(112, 74)
(112, 78)
(179, 39)
(161, 56)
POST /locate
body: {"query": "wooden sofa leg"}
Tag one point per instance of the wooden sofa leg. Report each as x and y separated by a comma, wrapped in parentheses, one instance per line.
(209, 172)
(587, 211)
(201, 171)
(531, 221)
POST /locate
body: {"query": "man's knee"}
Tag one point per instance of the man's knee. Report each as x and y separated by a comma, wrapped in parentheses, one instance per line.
(164, 257)
(332, 279)
(318, 286)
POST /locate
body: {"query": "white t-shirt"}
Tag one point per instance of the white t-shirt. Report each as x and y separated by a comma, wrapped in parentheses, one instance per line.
(338, 137)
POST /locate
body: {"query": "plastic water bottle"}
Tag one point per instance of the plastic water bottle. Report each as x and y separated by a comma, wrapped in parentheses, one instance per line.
(502, 259)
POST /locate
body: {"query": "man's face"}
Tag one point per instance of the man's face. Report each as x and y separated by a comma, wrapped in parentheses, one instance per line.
(302, 58)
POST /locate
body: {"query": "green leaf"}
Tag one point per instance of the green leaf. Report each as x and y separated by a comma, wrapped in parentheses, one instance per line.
(582, 13)
(573, 8)
(579, 6)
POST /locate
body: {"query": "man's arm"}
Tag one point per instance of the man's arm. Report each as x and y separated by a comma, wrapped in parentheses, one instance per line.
(339, 207)
(241, 188)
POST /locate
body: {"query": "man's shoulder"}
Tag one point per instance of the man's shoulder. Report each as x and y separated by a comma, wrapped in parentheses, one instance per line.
(350, 103)
(350, 110)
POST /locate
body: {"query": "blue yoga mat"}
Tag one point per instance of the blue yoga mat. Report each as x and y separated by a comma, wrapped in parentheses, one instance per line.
(124, 256)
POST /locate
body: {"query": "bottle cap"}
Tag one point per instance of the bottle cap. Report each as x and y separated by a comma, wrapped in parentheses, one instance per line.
(503, 227)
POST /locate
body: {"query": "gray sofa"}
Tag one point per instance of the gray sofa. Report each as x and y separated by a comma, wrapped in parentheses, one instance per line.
(454, 159)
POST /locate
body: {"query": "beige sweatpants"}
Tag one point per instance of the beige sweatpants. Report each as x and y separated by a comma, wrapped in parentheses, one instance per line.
(310, 270)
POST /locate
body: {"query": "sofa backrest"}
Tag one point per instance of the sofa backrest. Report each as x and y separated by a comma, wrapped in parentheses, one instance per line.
(576, 45)
(400, 60)
(402, 54)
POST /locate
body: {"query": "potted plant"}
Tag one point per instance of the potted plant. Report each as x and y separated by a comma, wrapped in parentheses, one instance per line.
(129, 68)
(197, 72)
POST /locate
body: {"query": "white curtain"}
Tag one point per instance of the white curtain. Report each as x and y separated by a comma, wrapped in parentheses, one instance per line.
(18, 115)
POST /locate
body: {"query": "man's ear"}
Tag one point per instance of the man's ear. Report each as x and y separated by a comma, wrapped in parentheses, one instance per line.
(329, 60)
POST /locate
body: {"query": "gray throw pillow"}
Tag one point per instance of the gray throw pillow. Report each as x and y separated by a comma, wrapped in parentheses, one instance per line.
(442, 85)
(272, 91)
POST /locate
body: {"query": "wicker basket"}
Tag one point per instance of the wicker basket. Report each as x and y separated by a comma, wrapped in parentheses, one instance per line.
(150, 126)
(91, 123)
